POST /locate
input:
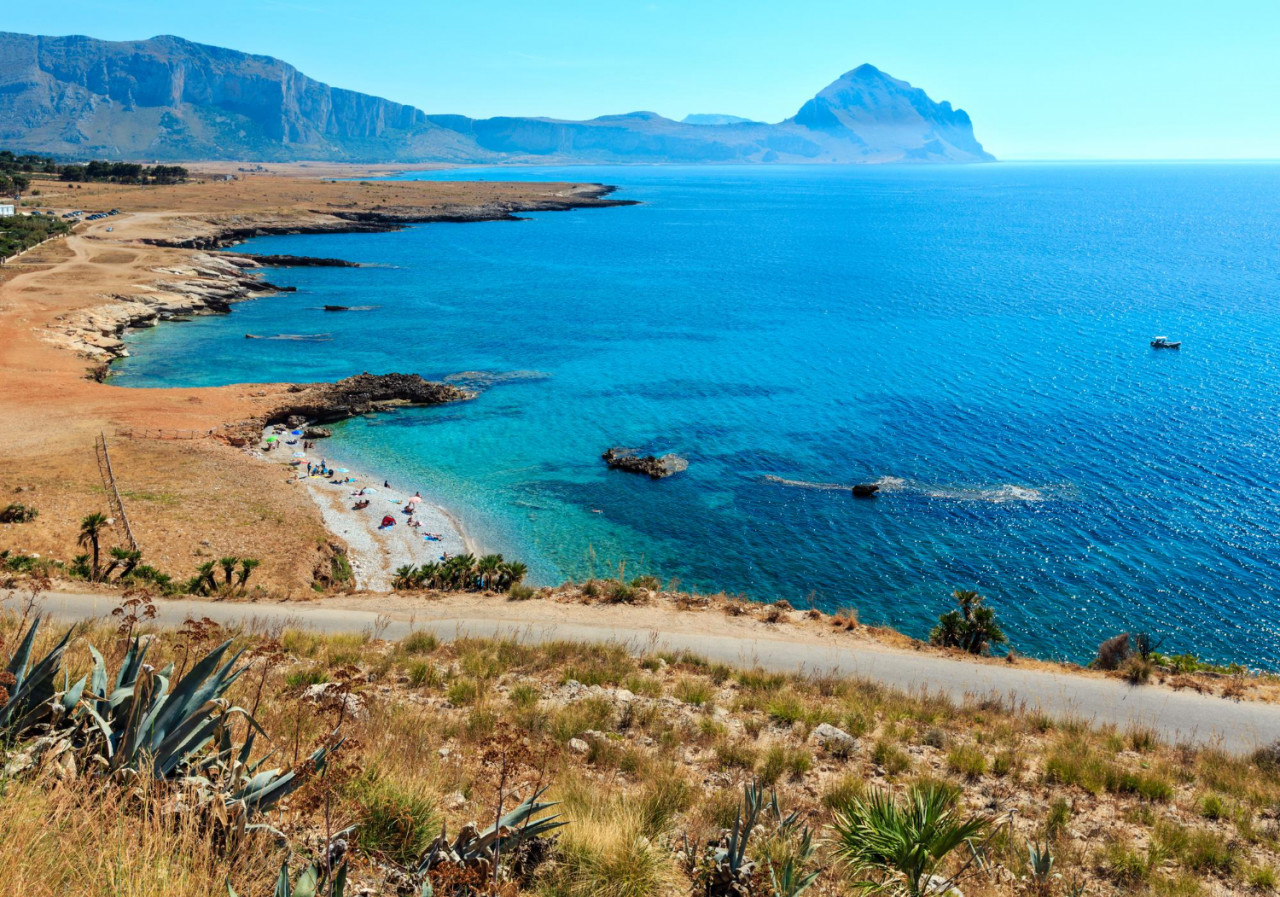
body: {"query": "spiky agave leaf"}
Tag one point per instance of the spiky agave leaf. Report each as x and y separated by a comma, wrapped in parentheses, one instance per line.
(512, 829)
(34, 687)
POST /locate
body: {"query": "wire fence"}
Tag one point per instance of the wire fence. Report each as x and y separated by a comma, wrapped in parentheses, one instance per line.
(162, 433)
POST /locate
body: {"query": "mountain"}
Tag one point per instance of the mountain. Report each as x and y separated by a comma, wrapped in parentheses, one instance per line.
(170, 99)
(716, 119)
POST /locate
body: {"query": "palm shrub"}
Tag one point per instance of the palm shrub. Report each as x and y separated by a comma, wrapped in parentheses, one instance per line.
(462, 572)
(228, 565)
(247, 566)
(205, 582)
(972, 628)
(140, 724)
(91, 528)
(123, 558)
(18, 513)
(899, 847)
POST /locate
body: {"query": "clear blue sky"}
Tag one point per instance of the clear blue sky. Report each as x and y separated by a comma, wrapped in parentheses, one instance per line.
(1055, 79)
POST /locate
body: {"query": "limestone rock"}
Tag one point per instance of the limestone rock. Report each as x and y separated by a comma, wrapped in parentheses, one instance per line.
(837, 741)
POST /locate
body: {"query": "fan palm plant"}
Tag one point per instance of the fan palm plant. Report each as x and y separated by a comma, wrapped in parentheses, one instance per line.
(898, 847)
(973, 628)
(488, 569)
(205, 580)
(429, 575)
(404, 577)
(247, 566)
(91, 528)
(513, 574)
(123, 558)
(228, 565)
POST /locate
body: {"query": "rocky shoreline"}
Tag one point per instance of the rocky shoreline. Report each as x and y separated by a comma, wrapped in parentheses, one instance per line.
(210, 283)
(206, 285)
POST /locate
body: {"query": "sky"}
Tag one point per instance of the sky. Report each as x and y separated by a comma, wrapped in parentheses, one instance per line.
(1042, 79)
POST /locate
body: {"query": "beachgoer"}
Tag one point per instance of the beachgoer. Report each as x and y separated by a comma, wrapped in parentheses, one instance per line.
(386, 484)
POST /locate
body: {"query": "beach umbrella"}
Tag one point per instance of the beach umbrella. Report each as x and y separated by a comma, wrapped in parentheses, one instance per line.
(415, 499)
(299, 454)
(271, 439)
(295, 433)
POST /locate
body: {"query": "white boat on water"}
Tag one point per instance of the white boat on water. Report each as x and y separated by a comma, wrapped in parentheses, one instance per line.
(1162, 342)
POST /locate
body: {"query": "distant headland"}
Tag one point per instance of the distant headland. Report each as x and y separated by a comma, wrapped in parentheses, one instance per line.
(167, 98)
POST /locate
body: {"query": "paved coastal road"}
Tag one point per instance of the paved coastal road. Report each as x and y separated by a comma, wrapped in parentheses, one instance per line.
(1237, 726)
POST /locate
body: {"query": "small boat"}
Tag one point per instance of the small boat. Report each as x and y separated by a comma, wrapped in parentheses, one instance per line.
(1162, 342)
(337, 308)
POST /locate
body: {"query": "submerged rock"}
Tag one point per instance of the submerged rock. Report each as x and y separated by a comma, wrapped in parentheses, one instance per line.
(650, 465)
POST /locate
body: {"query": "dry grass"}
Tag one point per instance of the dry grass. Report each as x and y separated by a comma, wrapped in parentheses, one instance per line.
(1122, 812)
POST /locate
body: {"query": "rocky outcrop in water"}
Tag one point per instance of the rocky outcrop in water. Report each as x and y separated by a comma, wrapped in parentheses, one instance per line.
(650, 465)
(320, 403)
(297, 261)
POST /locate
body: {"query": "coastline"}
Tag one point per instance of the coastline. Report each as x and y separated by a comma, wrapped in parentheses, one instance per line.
(373, 552)
(191, 491)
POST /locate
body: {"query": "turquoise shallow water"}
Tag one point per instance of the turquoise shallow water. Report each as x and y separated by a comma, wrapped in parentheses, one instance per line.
(976, 334)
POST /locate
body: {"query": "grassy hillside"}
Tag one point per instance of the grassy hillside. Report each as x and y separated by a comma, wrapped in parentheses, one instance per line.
(648, 757)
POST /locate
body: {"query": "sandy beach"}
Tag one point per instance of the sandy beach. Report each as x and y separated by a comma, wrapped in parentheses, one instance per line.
(374, 551)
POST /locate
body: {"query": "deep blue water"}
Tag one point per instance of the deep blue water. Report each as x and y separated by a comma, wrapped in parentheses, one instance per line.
(978, 333)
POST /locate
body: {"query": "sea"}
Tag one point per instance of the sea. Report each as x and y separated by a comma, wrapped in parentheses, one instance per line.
(973, 338)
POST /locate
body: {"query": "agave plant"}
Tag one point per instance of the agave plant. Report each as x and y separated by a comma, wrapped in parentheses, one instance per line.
(497, 847)
(139, 726)
(1040, 862)
(899, 847)
(29, 691)
(728, 871)
(312, 882)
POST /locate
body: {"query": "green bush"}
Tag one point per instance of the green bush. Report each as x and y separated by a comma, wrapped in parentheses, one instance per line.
(890, 757)
(312, 675)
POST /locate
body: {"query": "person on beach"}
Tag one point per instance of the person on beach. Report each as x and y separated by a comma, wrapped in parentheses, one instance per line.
(386, 484)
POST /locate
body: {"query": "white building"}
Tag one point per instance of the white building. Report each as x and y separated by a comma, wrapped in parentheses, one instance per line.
(6, 210)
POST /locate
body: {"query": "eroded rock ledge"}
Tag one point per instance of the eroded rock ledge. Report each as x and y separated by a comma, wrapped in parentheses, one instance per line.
(205, 284)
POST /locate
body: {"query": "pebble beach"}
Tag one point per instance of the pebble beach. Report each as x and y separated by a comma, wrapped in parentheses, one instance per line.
(375, 551)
